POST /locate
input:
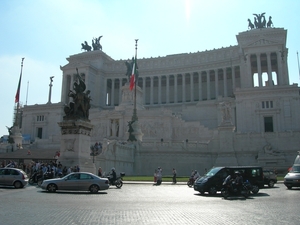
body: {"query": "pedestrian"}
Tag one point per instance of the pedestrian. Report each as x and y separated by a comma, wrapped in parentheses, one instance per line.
(174, 176)
(100, 172)
(155, 175)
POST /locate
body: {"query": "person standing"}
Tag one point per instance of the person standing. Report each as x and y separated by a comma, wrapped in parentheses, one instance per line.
(100, 172)
(174, 176)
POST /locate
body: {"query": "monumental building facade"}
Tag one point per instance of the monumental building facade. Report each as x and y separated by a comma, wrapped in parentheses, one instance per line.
(227, 106)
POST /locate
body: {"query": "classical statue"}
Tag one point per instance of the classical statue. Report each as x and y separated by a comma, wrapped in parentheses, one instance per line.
(86, 47)
(225, 111)
(10, 138)
(270, 23)
(79, 107)
(129, 66)
(250, 24)
(130, 131)
(96, 44)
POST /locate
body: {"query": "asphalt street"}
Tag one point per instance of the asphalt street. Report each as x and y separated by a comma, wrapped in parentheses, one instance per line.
(145, 203)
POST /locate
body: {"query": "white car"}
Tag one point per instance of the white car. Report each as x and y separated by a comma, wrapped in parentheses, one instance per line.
(78, 181)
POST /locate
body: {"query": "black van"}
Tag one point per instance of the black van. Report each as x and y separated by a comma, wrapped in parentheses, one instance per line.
(213, 180)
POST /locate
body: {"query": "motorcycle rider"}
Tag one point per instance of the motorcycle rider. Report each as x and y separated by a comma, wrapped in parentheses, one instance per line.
(238, 181)
(113, 176)
(196, 175)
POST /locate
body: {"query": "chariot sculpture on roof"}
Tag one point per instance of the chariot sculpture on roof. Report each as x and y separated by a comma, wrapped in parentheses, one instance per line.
(260, 22)
(95, 44)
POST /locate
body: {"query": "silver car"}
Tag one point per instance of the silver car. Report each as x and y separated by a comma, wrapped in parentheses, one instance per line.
(13, 177)
(292, 179)
(80, 181)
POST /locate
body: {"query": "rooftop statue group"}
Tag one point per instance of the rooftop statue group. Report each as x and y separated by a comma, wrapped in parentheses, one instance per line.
(260, 22)
(80, 106)
(95, 44)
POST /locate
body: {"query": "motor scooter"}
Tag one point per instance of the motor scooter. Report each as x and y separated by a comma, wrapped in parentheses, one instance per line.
(118, 182)
(191, 182)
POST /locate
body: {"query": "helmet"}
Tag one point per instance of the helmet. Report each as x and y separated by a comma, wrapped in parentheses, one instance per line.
(237, 173)
(113, 169)
(195, 171)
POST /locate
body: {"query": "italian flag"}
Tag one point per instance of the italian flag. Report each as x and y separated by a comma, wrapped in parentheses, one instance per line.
(132, 78)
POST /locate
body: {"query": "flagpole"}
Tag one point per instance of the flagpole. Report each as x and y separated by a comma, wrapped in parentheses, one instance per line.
(16, 123)
(298, 64)
(134, 116)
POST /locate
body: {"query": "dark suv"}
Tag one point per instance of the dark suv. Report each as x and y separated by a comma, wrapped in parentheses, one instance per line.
(270, 178)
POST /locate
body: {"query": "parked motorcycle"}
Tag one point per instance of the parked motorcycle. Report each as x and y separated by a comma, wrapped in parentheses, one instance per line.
(47, 175)
(118, 182)
(230, 188)
(34, 178)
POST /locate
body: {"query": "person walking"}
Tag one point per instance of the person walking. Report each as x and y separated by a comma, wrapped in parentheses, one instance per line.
(174, 176)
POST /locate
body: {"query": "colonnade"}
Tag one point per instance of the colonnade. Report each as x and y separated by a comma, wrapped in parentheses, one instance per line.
(268, 62)
(179, 88)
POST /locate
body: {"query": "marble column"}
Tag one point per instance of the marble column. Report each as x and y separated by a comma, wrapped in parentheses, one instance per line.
(258, 69)
(159, 89)
(270, 78)
(151, 90)
(183, 87)
(192, 86)
(216, 83)
(167, 89)
(112, 102)
(200, 85)
(225, 82)
(175, 89)
(208, 84)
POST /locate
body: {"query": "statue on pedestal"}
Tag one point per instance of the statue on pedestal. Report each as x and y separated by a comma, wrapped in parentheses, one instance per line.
(79, 107)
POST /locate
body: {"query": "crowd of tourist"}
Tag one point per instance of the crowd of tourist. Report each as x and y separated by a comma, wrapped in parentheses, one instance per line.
(52, 165)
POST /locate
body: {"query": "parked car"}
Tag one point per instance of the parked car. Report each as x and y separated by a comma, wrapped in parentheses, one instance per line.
(270, 178)
(80, 181)
(13, 177)
(212, 182)
(292, 179)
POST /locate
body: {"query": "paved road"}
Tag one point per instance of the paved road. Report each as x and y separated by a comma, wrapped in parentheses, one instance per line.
(147, 204)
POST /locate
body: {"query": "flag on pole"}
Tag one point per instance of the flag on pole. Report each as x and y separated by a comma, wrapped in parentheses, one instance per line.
(132, 78)
(17, 97)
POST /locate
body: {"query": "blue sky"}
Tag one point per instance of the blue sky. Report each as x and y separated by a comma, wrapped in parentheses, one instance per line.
(46, 32)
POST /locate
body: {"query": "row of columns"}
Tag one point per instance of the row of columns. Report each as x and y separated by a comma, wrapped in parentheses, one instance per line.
(269, 67)
(111, 99)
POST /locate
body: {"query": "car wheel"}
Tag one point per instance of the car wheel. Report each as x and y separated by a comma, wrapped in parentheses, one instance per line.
(18, 184)
(202, 192)
(94, 188)
(255, 189)
(289, 187)
(212, 191)
(52, 188)
(271, 183)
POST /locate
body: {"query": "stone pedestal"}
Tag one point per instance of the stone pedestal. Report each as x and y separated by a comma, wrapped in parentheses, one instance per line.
(128, 98)
(17, 136)
(137, 131)
(226, 155)
(75, 145)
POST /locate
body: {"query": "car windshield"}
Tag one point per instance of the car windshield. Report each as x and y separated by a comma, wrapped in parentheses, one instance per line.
(213, 171)
(295, 169)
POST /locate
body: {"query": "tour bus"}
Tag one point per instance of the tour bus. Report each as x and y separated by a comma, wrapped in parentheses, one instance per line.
(292, 179)
(213, 180)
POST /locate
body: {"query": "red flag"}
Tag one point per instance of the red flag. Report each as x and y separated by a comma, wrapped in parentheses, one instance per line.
(132, 78)
(17, 97)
